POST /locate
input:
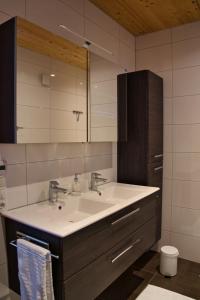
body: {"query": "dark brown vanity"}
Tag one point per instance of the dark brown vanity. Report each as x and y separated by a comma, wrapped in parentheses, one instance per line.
(93, 257)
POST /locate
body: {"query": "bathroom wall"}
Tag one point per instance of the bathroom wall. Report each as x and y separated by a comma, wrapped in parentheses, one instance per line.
(175, 55)
(31, 166)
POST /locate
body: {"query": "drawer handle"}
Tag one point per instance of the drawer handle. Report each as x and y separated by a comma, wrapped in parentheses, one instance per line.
(158, 168)
(126, 216)
(126, 250)
(158, 155)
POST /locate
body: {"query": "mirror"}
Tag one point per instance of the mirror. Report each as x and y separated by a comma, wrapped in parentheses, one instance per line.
(51, 87)
(102, 99)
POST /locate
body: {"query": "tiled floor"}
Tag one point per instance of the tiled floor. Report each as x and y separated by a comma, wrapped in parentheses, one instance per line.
(146, 270)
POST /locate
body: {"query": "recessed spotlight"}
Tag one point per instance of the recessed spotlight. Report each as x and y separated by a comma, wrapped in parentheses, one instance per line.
(52, 75)
(81, 83)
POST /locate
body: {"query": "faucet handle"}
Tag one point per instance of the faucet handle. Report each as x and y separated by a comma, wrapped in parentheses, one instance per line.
(53, 183)
(95, 174)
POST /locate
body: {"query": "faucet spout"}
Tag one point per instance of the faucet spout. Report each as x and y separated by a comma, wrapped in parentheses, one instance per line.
(54, 189)
(95, 179)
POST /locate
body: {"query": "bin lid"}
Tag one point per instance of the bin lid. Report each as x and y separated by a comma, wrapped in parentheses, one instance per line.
(169, 251)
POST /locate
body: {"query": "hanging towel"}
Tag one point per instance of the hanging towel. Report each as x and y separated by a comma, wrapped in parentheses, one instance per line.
(35, 271)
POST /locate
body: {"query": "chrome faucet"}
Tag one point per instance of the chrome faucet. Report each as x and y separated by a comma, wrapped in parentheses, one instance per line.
(54, 189)
(95, 179)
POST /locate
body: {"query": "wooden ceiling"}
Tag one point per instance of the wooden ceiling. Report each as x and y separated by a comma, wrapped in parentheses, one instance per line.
(144, 16)
(40, 40)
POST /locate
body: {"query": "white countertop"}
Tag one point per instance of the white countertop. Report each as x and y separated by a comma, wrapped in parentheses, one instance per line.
(57, 218)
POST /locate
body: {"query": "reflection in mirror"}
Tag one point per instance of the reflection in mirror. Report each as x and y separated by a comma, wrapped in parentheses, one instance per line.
(102, 99)
(51, 87)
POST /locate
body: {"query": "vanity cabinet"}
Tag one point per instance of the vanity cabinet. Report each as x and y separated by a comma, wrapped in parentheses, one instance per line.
(92, 258)
(43, 86)
(140, 128)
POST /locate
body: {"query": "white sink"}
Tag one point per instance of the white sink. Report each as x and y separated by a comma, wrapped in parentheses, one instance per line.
(115, 193)
(74, 213)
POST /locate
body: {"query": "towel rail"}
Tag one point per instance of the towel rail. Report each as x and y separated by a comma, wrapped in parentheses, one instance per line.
(31, 239)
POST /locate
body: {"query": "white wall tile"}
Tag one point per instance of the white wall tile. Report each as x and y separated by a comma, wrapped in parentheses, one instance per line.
(167, 165)
(186, 109)
(186, 221)
(101, 19)
(16, 175)
(186, 81)
(126, 60)
(186, 194)
(166, 217)
(165, 239)
(186, 166)
(16, 197)
(154, 59)
(95, 34)
(50, 14)
(93, 149)
(185, 138)
(167, 192)
(186, 53)
(167, 83)
(13, 154)
(168, 111)
(41, 152)
(42, 171)
(38, 192)
(153, 39)
(187, 245)
(70, 150)
(126, 37)
(168, 138)
(186, 31)
(13, 8)
(77, 5)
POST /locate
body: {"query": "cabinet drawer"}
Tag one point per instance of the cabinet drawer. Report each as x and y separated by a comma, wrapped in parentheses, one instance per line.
(84, 247)
(93, 279)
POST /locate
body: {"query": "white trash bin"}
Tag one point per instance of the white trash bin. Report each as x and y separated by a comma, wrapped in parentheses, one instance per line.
(168, 261)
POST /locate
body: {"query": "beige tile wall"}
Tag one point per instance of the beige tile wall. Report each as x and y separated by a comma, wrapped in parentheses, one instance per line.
(175, 55)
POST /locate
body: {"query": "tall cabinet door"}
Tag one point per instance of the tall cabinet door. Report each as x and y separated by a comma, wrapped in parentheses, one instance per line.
(155, 118)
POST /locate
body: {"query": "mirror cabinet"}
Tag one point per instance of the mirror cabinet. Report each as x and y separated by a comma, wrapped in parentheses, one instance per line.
(43, 86)
(48, 94)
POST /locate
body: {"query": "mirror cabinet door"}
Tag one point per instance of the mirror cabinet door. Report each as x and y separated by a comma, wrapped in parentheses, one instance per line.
(102, 99)
(51, 86)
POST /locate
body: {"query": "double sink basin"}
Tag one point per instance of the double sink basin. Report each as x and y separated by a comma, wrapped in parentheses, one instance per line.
(75, 212)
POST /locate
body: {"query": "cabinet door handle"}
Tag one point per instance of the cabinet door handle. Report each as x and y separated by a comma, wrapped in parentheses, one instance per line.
(158, 155)
(158, 168)
(126, 216)
(125, 250)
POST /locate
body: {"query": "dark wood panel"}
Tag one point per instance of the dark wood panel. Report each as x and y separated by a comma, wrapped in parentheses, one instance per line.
(132, 154)
(144, 145)
(155, 117)
(85, 246)
(7, 82)
(55, 246)
(104, 270)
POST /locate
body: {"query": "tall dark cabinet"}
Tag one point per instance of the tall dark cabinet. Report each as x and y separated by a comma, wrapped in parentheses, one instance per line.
(140, 128)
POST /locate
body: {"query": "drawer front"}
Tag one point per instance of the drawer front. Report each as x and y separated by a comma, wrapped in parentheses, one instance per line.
(84, 247)
(93, 279)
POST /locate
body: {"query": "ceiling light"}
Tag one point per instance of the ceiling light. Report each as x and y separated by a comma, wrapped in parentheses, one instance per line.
(52, 75)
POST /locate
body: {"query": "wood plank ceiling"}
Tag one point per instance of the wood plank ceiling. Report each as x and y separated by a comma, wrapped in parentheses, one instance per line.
(38, 39)
(144, 16)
